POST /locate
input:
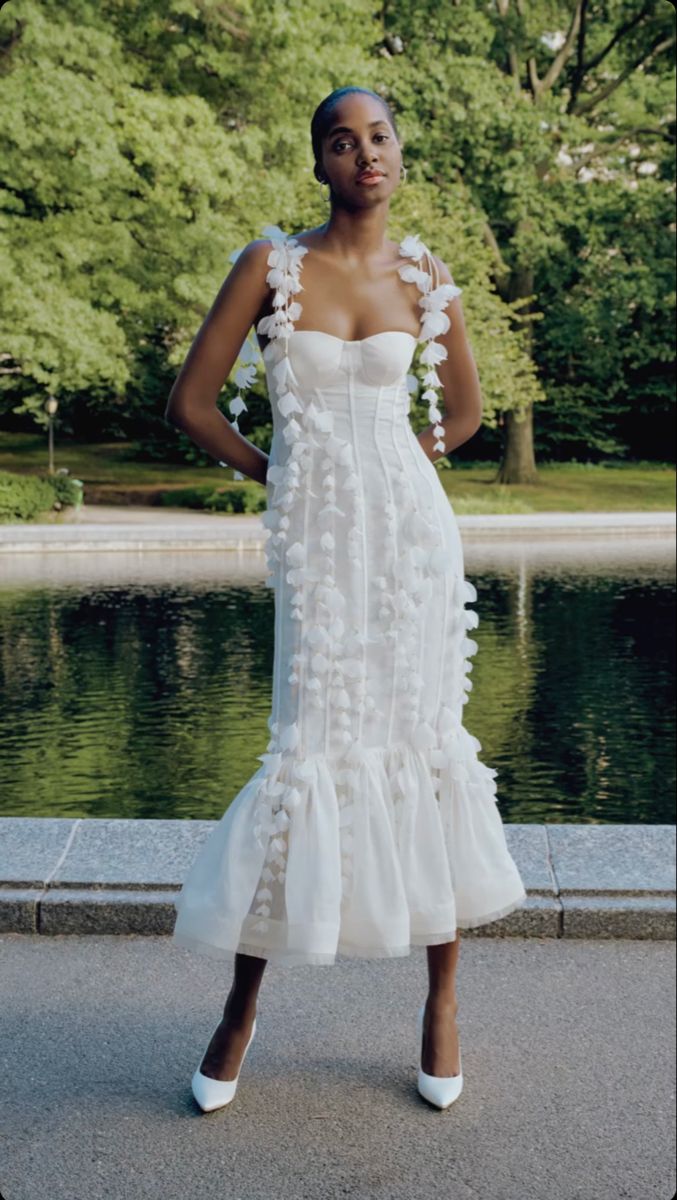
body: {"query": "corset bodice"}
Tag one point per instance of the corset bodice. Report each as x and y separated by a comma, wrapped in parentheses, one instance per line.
(359, 385)
(321, 360)
(355, 391)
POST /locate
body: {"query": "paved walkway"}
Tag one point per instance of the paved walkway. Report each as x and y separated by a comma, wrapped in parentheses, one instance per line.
(568, 1056)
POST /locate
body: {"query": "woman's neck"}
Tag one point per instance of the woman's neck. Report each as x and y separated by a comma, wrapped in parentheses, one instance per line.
(356, 235)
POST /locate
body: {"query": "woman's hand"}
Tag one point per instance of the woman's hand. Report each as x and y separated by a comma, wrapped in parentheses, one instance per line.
(462, 396)
(192, 405)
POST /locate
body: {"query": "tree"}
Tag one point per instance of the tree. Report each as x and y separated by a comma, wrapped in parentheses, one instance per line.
(521, 103)
(181, 129)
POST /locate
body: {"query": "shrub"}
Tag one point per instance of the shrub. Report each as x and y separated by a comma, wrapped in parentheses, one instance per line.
(227, 497)
(24, 497)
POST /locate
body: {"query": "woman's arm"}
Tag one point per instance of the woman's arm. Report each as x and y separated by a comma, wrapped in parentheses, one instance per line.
(462, 415)
(192, 403)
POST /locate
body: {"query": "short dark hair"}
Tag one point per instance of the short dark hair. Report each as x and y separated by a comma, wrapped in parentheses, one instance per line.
(323, 115)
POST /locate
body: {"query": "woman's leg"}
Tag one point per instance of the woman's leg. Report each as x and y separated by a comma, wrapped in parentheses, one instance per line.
(439, 1052)
(223, 1056)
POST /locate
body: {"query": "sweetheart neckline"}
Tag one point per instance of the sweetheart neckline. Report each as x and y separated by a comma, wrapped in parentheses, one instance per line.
(353, 341)
(357, 341)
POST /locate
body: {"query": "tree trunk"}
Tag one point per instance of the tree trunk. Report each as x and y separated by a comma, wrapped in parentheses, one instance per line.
(519, 464)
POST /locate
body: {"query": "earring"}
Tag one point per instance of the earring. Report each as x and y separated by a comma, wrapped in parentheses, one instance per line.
(403, 173)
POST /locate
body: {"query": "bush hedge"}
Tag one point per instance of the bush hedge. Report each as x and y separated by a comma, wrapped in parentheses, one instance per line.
(24, 497)
(227, 497)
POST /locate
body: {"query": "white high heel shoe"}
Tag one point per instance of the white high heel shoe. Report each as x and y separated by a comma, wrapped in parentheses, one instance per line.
(440, 1090)
(216, 1093)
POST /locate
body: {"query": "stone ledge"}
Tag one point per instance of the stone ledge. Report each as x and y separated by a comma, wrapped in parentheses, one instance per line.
(627, 916)
(97, 911)
(184, 530)
(100, 875)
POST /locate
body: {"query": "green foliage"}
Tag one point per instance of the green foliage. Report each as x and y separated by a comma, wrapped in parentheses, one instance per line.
(142, 143)
(23, 497)
(569, 171)
(228, 497)
(606, 349)
(112, 217)
(68, 491)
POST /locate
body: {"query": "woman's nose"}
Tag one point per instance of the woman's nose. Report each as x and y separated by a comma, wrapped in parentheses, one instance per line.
(367, 155)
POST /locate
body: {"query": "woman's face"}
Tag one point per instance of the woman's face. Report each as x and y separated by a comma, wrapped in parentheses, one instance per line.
(361, 155)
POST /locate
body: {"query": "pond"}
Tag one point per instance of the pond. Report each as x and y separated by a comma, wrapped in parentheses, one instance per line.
(139, 685)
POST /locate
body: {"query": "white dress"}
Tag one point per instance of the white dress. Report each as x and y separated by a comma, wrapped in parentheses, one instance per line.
(371, 824)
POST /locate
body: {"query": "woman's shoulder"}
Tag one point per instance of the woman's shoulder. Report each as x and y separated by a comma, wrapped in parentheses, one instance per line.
(253, 254)
(443, 273)
(250, 270)
(274, 247)
(426, 267)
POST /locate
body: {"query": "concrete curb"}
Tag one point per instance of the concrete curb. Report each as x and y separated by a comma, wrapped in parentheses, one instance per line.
(181, 530)
(100, 876)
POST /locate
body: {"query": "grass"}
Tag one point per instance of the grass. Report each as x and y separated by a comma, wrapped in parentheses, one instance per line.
(562, 487)
(100, 462)
(565, 487)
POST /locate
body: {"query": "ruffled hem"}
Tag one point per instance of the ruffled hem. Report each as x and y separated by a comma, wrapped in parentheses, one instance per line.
(290, 958)
(363, 857)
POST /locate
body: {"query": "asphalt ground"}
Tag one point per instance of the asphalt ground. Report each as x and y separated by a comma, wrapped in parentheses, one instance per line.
(568, 1057)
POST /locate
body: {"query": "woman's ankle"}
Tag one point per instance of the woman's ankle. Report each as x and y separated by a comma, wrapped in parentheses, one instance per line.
(438, 1001)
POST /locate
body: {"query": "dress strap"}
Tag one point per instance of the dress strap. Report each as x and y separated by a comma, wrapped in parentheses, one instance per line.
(283, 277)
(435, 297)
(284, 261)
(285, 477)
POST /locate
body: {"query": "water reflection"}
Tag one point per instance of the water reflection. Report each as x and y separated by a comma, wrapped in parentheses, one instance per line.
(138, 685)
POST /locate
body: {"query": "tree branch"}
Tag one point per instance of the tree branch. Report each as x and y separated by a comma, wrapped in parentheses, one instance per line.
(658, 45)
(619, 34)
(563, 55)
(620, 138)
(579, 70)
(513, 59)
(651, 132)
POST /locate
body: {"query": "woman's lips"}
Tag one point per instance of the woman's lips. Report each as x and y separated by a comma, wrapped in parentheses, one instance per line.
(375, 177)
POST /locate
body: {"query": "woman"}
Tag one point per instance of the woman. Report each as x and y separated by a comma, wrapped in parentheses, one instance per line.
(371, 825)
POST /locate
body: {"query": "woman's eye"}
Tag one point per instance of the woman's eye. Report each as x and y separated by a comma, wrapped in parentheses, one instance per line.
(340, 145)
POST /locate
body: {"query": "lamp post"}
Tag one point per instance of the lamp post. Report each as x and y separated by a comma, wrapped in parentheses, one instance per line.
(50, 408)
